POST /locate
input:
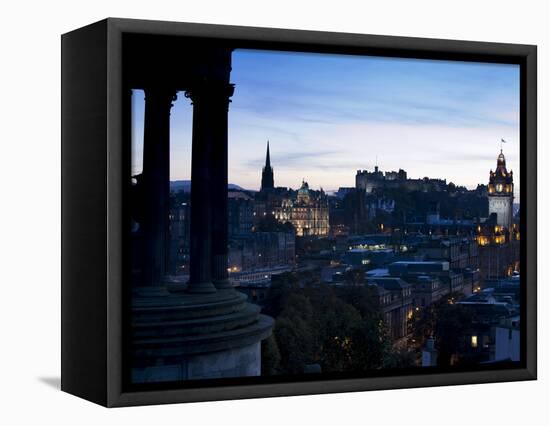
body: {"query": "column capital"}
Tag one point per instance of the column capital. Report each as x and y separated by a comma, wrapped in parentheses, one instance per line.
(160, 96)
(208, 90)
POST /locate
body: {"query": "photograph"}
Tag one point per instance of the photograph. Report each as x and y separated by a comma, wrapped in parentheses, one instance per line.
(278, 213)
(302, 215)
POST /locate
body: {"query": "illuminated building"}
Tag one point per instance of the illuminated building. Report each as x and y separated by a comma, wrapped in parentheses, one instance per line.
(308, 212)
(369, 182)
(498, 237)
(501, 193)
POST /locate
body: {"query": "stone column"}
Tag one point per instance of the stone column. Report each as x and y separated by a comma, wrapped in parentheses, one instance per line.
(156, 183)
(210, 101)
(219, 193)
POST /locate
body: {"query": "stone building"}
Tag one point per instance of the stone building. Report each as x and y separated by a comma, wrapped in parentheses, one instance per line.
(498, 255)
(499, 236)
(179, 221)
(308, 212)
(305, 209)
(259, 250)
(427, 289)
(240, 213)
(395, 298)
(501, 193)
(430, 280)
(460, 252)
(371, 181)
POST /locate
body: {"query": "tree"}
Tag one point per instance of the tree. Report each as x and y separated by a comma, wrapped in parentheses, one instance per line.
(294, 335)
(336, 323)
(281, 288)
(339, 329)
(271, 357)
(352, 335)
(268, 223)
(364, 298)
(448, 323)
(399, 358)
(451, 325)
(355, 277)
(371, 340)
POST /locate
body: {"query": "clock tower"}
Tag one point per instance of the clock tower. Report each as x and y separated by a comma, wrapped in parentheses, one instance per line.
(501, 193)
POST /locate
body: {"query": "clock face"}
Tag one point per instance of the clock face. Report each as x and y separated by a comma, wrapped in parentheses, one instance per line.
(499, 187)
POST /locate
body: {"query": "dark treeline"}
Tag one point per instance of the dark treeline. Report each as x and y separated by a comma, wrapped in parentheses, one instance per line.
(322, 328)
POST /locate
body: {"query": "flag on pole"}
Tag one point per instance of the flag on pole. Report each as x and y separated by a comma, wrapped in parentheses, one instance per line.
(502, 140)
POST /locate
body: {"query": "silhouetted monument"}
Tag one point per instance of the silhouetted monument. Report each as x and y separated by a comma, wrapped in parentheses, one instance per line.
(204, 329)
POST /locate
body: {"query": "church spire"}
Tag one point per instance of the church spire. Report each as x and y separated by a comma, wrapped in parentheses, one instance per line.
(267, 172)
(267, 159)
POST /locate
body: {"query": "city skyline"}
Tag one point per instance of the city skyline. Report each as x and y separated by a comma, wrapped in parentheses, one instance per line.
(327, 116)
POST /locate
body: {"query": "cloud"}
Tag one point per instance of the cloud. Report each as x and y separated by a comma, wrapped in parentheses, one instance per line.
(330, 89)
(291, 159)
(462, 155)
(329, 115)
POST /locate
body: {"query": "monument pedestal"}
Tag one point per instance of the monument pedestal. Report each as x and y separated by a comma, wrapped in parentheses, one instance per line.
(183, 336)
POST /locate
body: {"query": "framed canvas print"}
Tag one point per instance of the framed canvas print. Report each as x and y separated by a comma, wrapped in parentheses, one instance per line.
(252, 212)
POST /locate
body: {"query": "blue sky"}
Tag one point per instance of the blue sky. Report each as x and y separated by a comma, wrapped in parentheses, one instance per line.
(327, 116)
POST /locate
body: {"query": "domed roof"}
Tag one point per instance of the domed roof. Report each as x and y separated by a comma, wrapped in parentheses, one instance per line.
(304, 189)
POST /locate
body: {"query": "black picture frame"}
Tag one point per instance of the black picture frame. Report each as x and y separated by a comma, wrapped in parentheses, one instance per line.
(93, 169)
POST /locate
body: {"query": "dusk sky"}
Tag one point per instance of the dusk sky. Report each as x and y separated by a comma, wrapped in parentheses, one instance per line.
(326, 116)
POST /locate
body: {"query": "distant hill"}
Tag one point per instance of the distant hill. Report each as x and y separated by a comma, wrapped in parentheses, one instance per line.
(180, 185)
(185, 186)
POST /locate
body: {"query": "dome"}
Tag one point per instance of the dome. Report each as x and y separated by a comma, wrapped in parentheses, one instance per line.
(304, 189)
(303, 193)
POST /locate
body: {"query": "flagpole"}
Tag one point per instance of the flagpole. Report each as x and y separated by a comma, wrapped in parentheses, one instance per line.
(501, 142)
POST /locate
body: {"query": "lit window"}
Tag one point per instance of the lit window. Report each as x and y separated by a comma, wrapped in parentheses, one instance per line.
(474, 341)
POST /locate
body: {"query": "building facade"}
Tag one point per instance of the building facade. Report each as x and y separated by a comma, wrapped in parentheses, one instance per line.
(371, 181)
(259, 250)
(501, 193)
(395, 298)
(240, 213)
(308, 212)
(499, 237)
